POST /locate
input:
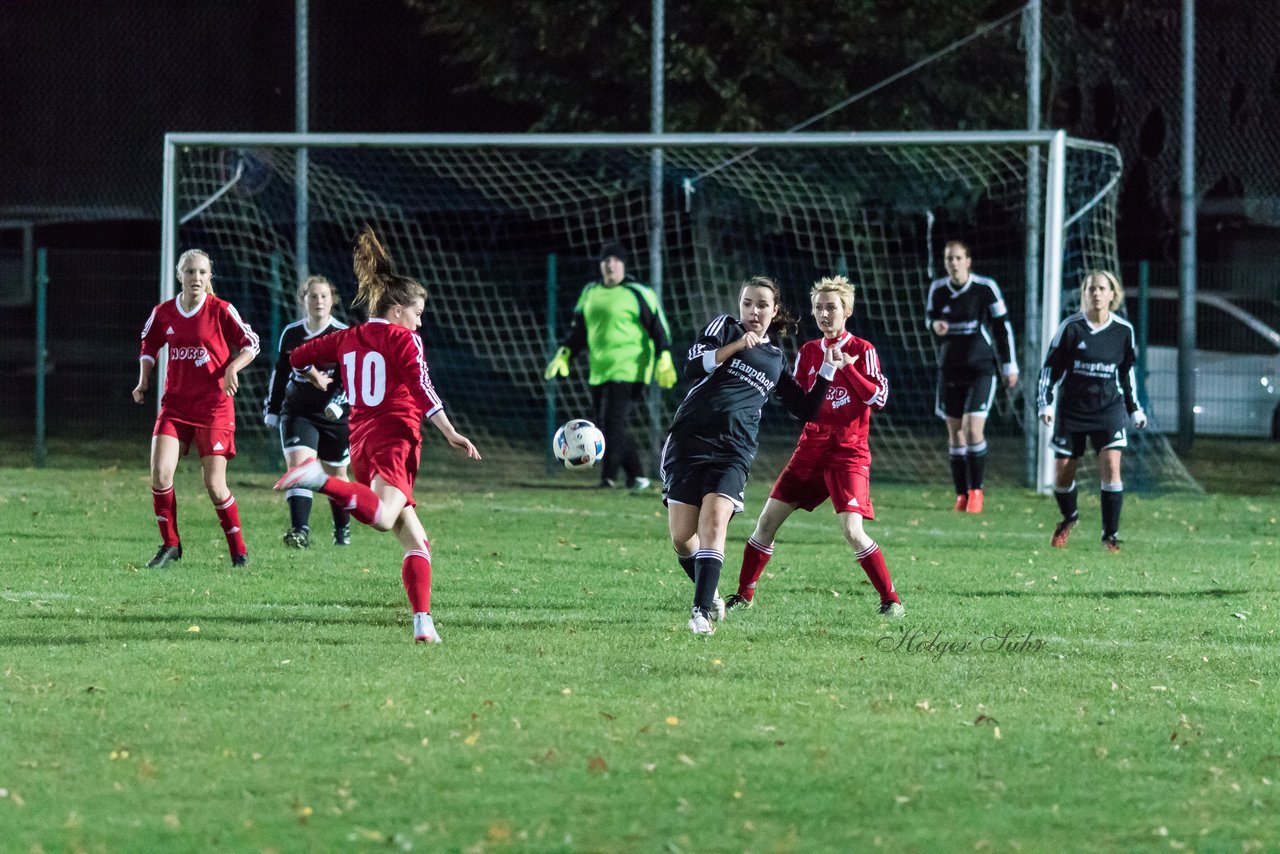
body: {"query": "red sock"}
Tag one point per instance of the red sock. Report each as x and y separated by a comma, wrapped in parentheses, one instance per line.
(754, 556)
(229, 516)
(871, 559)
(416, 574)
(165, 502)
(359, 500)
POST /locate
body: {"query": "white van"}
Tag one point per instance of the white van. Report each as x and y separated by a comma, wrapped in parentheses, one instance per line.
(1237, 363)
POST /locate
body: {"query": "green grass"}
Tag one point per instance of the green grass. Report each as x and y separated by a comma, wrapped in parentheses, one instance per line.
(569, 708)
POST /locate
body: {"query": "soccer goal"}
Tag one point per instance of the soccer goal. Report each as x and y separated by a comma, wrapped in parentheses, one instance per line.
(503, 231)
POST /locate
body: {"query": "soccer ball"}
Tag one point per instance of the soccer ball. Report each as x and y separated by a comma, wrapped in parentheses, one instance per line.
(578, 444)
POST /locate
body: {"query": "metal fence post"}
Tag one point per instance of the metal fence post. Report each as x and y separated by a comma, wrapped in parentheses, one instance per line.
(42, 289)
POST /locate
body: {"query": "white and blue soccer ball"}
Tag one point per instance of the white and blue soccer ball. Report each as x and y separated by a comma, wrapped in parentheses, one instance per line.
(578, 444)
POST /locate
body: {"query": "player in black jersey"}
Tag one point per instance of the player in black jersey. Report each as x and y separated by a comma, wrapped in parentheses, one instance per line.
(311, 411)
(957, 310)
(1092, 356)
(714, 436)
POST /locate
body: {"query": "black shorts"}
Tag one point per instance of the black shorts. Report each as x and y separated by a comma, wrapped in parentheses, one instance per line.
(690, 472)
(961, 393)
(329, 440)
(1069, 444)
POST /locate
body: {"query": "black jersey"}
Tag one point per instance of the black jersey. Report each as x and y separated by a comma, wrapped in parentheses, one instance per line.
(290, 389)
(968, 344)
(722, 410)
(1095, 367)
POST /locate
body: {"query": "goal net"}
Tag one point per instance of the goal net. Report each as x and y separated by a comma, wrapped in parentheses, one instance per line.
(503, 231)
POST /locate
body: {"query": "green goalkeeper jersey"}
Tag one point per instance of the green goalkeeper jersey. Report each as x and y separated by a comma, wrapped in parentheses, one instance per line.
(622, 328)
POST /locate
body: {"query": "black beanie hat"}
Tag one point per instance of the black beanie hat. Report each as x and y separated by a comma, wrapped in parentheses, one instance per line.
(612, 250)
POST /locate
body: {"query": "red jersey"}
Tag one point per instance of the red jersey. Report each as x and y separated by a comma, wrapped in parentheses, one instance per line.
(844, 418)
(385, 377)
(201, 343)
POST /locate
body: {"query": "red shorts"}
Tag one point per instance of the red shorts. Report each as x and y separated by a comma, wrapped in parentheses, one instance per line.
(210, 441)
(811, 478)
(395, 461)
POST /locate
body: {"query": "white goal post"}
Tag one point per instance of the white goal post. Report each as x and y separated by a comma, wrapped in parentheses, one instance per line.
(510, 223)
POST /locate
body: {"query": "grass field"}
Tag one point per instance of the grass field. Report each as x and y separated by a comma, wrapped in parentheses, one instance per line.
(1032, 699)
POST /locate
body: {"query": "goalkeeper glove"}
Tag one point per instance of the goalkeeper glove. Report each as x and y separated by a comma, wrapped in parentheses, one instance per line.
(665, 372)
(559, 365)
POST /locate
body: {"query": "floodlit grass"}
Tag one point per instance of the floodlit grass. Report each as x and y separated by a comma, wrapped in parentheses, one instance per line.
(1033, 699)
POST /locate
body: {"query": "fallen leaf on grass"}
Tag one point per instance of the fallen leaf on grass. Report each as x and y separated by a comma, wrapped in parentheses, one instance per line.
(597, 765)
(193, 629)
(686, 760)
(471, 739)
(673, 721)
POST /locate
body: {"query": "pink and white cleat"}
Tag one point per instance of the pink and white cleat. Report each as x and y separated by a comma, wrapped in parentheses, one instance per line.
(306, 475)
(424, 630)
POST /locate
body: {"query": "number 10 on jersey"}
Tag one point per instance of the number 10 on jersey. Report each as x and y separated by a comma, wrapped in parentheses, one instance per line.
(369, 384)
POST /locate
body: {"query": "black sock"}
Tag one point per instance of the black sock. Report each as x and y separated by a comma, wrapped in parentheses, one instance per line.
(341, 516)
(706, 577)
(299, 508)
(976, 464)
(960, 470)
(1112, 501)
(1067, 504)
(686, 563)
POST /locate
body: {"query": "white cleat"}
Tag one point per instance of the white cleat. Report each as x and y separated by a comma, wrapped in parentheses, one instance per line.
(424, 630)
(699, 624)
(306, 475)
(717, 608)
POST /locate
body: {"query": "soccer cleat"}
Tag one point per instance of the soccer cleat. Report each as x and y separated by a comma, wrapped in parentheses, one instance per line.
(892, 610)
(700, 624)
(424, 629)
(718, 607)
(974, 504)
(297, 538)
(306, 475)
(1111, 543)
(1062, 531)
(640, 484)
(739, 602)
(166, 555)
(240, 560)
(962, 502)
(342, 536)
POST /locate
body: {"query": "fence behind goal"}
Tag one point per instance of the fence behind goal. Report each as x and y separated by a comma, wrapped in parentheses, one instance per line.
(504, 232)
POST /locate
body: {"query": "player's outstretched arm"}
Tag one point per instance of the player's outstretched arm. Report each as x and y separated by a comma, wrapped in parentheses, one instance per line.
(145, 366)
(456, 440)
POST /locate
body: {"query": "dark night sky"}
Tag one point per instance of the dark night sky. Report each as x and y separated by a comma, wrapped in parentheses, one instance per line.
(90, 88)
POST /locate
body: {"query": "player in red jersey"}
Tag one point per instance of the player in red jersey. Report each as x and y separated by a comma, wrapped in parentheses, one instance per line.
(832, 459)
(390, 392)
(208, 347)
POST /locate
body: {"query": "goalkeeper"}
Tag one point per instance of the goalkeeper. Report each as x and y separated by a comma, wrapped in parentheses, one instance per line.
(620, 324)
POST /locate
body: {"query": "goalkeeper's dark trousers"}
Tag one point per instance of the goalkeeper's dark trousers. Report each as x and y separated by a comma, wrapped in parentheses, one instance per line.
(613, 403)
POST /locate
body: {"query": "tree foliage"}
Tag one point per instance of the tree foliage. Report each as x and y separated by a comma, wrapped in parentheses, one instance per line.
(736, 65)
